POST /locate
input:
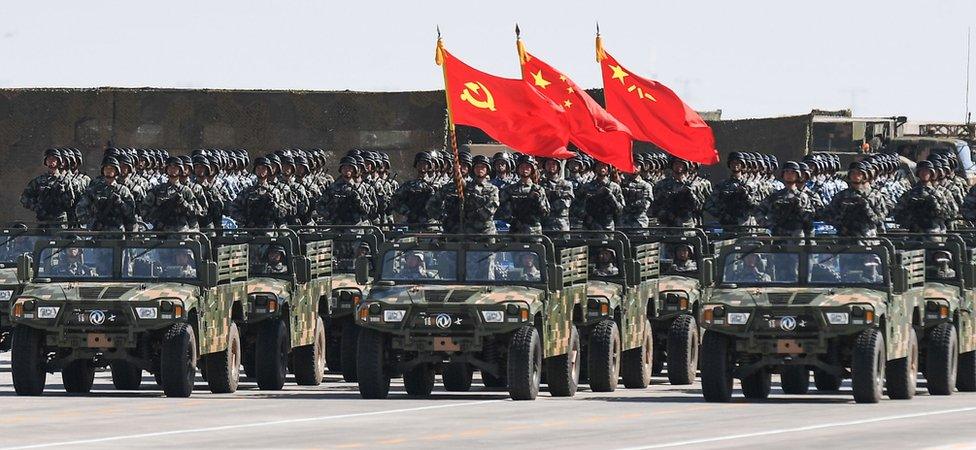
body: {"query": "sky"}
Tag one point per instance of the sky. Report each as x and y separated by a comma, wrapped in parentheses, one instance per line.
(749, 58)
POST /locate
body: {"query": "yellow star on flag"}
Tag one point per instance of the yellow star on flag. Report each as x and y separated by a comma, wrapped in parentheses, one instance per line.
(539, 81)
(567, 103)
(570, 90)
(618, 73)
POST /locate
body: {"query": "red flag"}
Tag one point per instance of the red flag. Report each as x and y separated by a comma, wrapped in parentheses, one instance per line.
(654, 113)
(510, 111)
(593, 129)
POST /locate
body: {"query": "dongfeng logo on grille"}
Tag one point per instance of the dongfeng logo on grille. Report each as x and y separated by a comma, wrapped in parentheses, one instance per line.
(788, 323)
(96, 317)
(443, 321)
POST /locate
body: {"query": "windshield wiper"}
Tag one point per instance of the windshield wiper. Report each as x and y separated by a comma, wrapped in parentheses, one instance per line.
(147, 250)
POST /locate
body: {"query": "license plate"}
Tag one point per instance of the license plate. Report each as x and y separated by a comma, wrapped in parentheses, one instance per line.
(788, 346)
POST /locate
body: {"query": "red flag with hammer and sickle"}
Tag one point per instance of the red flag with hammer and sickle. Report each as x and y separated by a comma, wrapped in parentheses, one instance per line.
(654, 113)
(594, 130)
(510, 111)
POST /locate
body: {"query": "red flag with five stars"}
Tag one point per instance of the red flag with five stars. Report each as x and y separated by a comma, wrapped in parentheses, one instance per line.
(654, 113)
(594, 130)
(509, 110)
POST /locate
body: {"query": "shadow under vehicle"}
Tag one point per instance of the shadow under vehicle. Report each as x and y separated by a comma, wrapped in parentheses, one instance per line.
(841, 306)
(455, 303)
(133, 301)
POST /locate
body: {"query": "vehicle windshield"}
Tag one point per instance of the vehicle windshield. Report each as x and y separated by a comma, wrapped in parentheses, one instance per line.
(75, 262)
(845, 268)
(604, 262)
(760, 268)
(406, 265)
(678, 259)
(267, 259)
(156, 262)
(14, 246)
(502, 266)
(344, 255)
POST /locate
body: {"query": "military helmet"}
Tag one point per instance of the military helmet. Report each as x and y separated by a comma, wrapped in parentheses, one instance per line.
(483, 160)
(385, 160)
(527, 159)
(261, 161)
(420, 158)
(301, 161)
(792, 166)
(465, 158)
(924, 165)
(349, 161)
(54, 153)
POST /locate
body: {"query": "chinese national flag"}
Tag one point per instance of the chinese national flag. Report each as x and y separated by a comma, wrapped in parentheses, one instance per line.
(594, 130)
(510, 111)
(654, 113)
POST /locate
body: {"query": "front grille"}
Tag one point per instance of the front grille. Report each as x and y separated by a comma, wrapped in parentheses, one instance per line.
(436, 296)
(462, 295)
(772, 322)
(90, 292)
(426, 322)
(115, 292)
(805, 298)
(779, 298)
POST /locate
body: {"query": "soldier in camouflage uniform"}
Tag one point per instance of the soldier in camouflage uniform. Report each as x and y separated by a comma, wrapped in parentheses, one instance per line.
(50, 195)
(602, 199)
(107, 205)
(205, 172)
(410, 200)
(560, 194)
(638, 195)
(787, 211)
(299, 197)
(524, 204)
(313, 189)
(577, 174)
(171, 206)
(259, 205)
(502, 165)
(859, 210)
(384, 176)
(734, 201)
(79, 180)
(480, 202)
(345, 202)
(924, 208)
(679, 198)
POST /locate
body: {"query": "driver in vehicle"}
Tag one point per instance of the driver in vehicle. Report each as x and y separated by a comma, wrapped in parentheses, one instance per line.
(822, 272)
(942, 269)
(413, 267)
(684, 259)
(751, 270)
(182, 266)
(604, 263)
(72, 264)
(275, 260)
(530, 269)
(866, 270)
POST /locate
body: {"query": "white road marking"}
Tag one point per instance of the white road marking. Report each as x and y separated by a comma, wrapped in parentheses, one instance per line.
(247, 425)
(801, 429)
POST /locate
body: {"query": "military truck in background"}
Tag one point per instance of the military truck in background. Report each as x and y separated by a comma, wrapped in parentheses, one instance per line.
(615, 333)
(280, 326)
(13, 243)
(842, 306)
(499, 304)
(162, 303)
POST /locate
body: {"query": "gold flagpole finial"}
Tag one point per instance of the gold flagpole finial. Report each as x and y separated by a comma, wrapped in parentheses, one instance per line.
(523, 58)
(600, 53)
(439, 53)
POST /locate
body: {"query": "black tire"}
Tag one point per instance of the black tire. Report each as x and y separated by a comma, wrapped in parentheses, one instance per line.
(683, 350)
(78, 376)
(562, 372)
(224, 367)
(374, 381)
(126, 376)
(308, 361)
(247, 360)
(524, 364)
(271, 355)
(28, 360)
(826, 382)
(636, 363)
(419, 381)
(716, 367)
(350, 344)
(795, 380)
(603, 357)
(966, 378)
(333, 352)
(901, 375)
(178, 360)
(756, 386)
(942, 359)
(457, 377)
(657, 365)
(493, 353)
(868, 366)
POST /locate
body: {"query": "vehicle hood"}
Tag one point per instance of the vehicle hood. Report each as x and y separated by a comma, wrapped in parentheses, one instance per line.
(605, 289)
(110, 291)
(797, 296)
(278, 287)
(454, 294)
(678, 283)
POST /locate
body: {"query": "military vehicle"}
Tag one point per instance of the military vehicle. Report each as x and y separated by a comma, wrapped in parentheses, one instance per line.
(501, 304)
(132, 301)
(13, 243)
(616, 335)
(342, 333)
(842, 306)
(279, 323)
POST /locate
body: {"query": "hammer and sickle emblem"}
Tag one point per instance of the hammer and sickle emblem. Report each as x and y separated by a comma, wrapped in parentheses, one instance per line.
(476, 87)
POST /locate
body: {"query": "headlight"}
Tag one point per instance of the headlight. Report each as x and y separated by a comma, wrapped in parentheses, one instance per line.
(493, 316)
(738, 318)
(838, 318)
(47, 312)
(6, 294)
(147, 312)
(393, 315)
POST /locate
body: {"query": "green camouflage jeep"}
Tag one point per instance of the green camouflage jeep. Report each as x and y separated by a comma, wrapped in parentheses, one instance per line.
(501, 304)
(13, 243)
(616, 335)
(159, 303)
(289, 284)
(841, 306)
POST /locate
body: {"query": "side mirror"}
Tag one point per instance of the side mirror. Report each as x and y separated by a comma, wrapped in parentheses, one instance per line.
(303, 269)
(362, 270)
(210, 273)
(25, 268)
(633, 273)
(707, 272)
(899, 280)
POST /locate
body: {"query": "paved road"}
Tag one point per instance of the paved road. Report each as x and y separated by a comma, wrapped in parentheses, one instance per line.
(333, 416)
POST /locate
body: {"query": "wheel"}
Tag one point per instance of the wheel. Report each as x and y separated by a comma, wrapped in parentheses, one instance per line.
(603, 362)
(636, 363)
(457, 377)
(657, 362)
(683, 350)
(524, 364)
(562, 372)
(78, 376)
(370, 363)
(224, 367)
(419, 381)
(826, 382)
(901, 375)
(309, 360)
(868, 366)
(756, 386)
(333, 351)
(942, 359)
(350, 344)
(494, 354)
(795, 380)
(28, 360)
(966, 378)
(247, 360)
(178, 360)
(126, 376)
(716, 367)
(271, 355)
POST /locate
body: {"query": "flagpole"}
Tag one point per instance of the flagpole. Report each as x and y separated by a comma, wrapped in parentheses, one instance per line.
(458, 182)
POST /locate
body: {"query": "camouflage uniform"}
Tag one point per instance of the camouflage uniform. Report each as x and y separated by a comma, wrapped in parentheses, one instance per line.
(787, 212)
(345, 203)
(50, 197)
(602, 201)
(924, 209)
(106, 206)
(259, 206)
(637, 201)
(560, 194)
(678, 203)
(856, 212)
(171, 207)
(411, 201)
(523, 205)
(481, 203)
(733, 202)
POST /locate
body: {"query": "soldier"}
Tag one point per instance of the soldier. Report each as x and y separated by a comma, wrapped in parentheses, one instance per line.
(384, 176)
(503, 164)
(602, 199)
(344, 202)
(480, 202)
(604, 265)
(205, 171)
(787, 211)
(413, 267)
(259, 205)
(171, 206)
(924, 208)
(50, 195)
(734, 201)
(412, 197)
(299, 197)
(275, 260)
(72, 264)
(107, 205)
(314, 190)
(637, 197)
(524, 203)
(683, 259)
(752, 268)
(679, 199)
(859, 210)
(559, 193)
(577, 169)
